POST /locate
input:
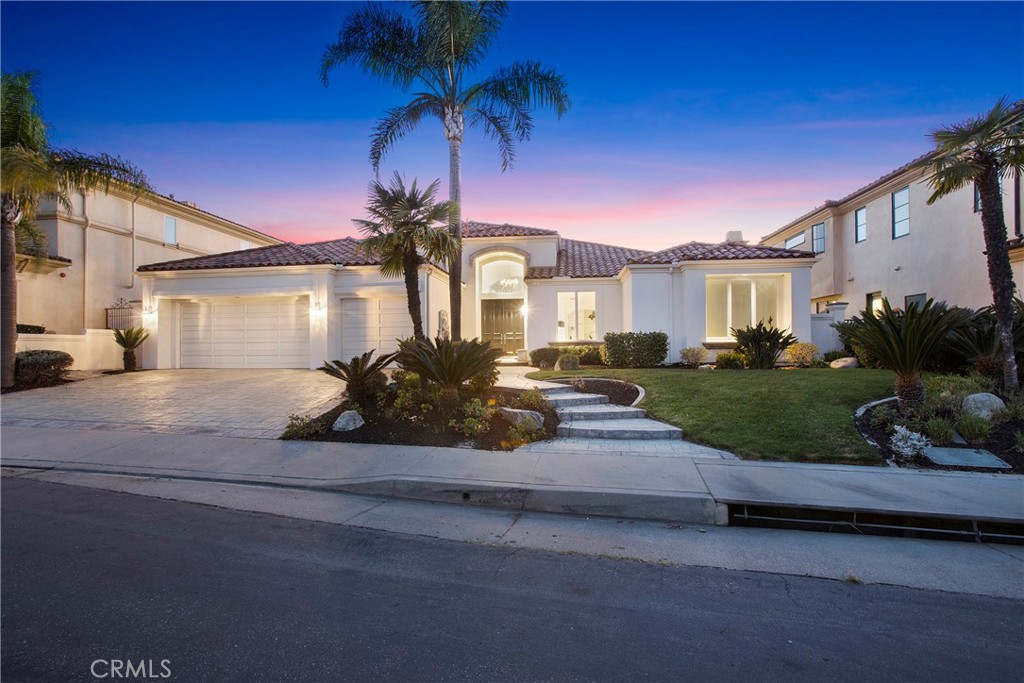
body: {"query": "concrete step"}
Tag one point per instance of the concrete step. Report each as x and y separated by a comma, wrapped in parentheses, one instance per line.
(629, 428)
(558, 391)
(575, 399)
(605, 411)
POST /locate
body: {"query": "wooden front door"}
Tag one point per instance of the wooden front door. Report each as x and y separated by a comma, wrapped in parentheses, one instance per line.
(502, 323)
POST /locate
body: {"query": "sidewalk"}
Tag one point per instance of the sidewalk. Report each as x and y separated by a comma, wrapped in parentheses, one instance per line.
(691, 490)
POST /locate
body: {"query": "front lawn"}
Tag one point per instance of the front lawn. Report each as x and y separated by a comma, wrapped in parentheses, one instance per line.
(797, 415)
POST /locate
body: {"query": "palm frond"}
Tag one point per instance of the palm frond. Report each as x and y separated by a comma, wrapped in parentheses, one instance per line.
(398, 122)
(75, 170)
(21, 123)
(525, 85)
(457, 35)
(498, 128)
(379, 40)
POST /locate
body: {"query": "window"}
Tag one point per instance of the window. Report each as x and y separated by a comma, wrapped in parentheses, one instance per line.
(735, 302)
(901, 213)
(818, 238)
(874, 302)
(796, 240)
(915, 300)
(170, 230)
(860, 219)
(244, 244)
(577, 316)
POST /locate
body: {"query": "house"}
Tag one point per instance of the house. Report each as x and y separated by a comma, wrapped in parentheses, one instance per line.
(95, 249)
(885, 241)
(295, 305)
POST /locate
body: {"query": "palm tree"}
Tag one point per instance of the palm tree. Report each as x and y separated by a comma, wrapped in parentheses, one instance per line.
(437, 53)
(130, 339)
(980, 151)
(402, 232)
(31, 170)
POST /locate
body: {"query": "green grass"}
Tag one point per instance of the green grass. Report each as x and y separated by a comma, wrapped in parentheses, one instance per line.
(794, 415)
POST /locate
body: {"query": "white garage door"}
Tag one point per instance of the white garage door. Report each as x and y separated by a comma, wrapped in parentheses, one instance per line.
(246, 332)
(373, 324)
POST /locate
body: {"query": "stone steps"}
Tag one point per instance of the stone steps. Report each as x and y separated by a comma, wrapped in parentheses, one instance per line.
(605, 411)
(573, 398)
(626, 428)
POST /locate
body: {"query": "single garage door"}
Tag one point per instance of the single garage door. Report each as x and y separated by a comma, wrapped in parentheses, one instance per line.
(373, 324)
(246, 332)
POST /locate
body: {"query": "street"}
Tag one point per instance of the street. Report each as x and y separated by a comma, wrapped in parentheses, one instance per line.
(221, 595)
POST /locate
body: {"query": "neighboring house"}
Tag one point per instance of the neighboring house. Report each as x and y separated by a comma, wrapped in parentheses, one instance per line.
(292, 305)
(884, 240)
(95, 249)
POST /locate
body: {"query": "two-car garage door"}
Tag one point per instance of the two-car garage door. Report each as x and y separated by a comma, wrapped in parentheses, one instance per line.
(246, 332)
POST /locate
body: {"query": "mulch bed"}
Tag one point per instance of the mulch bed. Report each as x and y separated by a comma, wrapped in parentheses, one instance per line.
(28, 387)
(1001, 443)
(618, 392)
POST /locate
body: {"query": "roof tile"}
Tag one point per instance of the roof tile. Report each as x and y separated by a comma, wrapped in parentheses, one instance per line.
(586, 259)
(725, 251)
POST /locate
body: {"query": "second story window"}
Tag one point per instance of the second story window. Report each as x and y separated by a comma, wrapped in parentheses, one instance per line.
(796, 240)
(818, 238)
(170, 230)
(901, 213)
(860, 218)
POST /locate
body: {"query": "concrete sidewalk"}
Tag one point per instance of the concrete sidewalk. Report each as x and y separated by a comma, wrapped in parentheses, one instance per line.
(675, 489)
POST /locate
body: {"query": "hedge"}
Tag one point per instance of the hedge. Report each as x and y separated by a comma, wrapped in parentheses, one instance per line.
(31, 329)
(589, 354)
(545, 357)
(41, 368)
(635, 349)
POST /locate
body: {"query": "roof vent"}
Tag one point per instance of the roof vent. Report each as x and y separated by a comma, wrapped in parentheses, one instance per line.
(735, 237)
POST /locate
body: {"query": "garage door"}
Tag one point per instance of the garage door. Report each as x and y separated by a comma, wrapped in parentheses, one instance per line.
(246, 333)
(373, 324)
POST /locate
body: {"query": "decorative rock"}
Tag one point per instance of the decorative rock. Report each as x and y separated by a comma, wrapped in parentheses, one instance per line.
(517, 417)
(348, 421)
(982, 405)
(842, 363)
(705, 367)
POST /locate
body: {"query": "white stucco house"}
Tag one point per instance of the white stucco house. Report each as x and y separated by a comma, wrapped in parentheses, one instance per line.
(296, 305)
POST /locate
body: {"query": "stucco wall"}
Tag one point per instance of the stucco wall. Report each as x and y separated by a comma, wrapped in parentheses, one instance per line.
(542, 319)
(92, 349)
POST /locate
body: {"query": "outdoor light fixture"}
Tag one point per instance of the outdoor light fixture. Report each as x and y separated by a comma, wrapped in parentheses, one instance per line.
(149, 317)
(318, 312)
(524, 309)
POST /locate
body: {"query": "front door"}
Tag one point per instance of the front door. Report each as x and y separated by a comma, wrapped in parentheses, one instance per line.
(502, 323)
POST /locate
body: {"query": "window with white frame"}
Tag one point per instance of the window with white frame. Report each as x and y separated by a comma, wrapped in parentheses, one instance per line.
(818, 238)
(901, 213)
(577, 316)
(170, 230)
(796, 240)
(860, 219)
(741, 300)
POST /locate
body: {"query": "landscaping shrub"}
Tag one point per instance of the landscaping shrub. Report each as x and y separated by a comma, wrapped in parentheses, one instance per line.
(364, 377)
(801, 354)
(906, 442)
(939, 430)
(41, 368)
(302, 428)
(694, 355)
(635, 349)
(830, 356)
(31, 329)
(589, 354)
(762, 344)
(448, 364)
(476, 419)
(568, 361)
(130, 339)
(545, 358)
(730, 360)
(946, 393)
(974, 428)
(485, 379)
(533, 400)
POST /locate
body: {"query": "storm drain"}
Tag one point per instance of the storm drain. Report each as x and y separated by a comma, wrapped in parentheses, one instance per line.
(864, 523)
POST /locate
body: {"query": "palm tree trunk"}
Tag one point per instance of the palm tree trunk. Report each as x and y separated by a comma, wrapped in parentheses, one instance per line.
(130, 361)
(909, 392)
(1000, 273)
(9, 295)
(411, 269)
(454, 124)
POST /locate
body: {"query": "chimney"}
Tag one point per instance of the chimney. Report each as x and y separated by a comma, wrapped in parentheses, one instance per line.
(735, 237)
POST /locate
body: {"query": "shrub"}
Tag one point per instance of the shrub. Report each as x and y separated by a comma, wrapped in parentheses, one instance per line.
(568, 361)
(448, 364)
(907, 443)
(31, 329)
(830, 356)
(939, 430)
(364, 377)
(730, 360)
(545, 357)
(974, 428)
(484, 380)
(130, 339)
(1018, 442)
(801, 354)
(762, 344)
(301, 428)
(589, 354)
(41, 368)
(521, 434)
(533, 400)
(635, 349)
(946, 393)
(694, 355)
(476, 419)
(883, 417)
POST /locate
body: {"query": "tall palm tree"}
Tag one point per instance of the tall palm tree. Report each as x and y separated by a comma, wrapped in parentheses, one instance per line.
(437, 54)
(403, 232)
(980, 151)
(31, 170)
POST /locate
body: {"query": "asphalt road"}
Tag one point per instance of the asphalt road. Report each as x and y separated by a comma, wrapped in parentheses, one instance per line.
(220, 595)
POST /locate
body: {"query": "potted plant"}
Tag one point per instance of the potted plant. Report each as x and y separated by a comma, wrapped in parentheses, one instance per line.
(130, 339)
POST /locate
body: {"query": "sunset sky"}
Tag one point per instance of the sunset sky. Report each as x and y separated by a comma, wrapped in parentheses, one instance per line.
(688, 119)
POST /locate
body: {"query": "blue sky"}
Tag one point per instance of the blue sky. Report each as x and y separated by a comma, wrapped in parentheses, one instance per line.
(688, 119)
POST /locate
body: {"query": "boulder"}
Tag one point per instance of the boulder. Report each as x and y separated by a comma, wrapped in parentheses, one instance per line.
(983, 405)
(517, 417)
(348, 421)
(705, 367)
(841, 363)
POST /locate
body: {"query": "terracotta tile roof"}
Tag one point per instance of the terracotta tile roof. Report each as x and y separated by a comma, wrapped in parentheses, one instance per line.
(586, 259)
(725, 251)
(341, 252)
(471, 229)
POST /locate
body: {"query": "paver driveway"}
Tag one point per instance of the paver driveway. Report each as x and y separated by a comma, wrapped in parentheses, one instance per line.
(250, 403)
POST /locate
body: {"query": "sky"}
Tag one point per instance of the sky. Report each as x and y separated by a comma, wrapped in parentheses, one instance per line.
(687, 119)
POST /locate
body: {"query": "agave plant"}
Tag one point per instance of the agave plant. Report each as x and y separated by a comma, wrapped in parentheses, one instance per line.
(449, 364)
(130, 339)
(762, 344)
(363, 376)
(904, 341)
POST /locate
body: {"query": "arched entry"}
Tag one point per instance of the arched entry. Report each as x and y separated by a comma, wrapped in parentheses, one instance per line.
(502, 301)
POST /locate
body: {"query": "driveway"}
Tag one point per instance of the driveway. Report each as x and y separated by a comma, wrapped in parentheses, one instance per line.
(248, 403)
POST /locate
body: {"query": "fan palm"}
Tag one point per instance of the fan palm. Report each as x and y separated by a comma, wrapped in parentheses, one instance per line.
(403, 233)
(437, 54)
(130, 339)
(979, 151)
(31, 170)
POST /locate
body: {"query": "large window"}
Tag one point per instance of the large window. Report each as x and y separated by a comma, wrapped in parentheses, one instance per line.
(796, 240)
(901, 213)
(918, 300)
(170, 230)
(577, 316)
(735, 302)
(818, 238)
(860, 218)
